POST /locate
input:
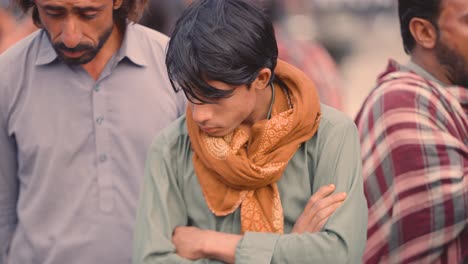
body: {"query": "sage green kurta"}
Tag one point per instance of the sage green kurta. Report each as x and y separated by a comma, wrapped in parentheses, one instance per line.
(171, 197)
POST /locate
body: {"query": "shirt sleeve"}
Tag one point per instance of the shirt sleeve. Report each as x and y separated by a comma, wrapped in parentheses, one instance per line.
(161, 210)
(8, 181)
(343, 238)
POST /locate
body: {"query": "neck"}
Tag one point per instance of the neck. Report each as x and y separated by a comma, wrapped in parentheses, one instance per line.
(428, 61)
(96, 66)
(262, 108)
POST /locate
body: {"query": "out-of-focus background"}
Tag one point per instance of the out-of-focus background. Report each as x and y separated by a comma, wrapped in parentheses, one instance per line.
(358, 37)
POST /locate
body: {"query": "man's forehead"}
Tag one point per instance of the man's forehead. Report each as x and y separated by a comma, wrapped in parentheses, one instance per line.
(72, 3)
(454, 6)
(452, 12)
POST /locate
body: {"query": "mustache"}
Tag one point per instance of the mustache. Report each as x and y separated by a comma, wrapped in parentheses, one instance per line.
(79, 47)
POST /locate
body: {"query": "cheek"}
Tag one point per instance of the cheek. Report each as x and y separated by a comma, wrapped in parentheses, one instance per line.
(456, 34)
(53, 29)
(234, 114)
(246, 107)
(93, 30)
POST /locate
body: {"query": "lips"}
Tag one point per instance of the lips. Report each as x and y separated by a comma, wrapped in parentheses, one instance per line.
(72, 54)
(209, 130)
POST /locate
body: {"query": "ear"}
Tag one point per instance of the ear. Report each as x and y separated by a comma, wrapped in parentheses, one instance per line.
(263, 79)
(117, 4)
(424, 33)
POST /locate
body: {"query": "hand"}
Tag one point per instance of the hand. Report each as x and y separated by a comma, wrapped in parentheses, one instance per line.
(321, 205)
(194, 243)
(189, 242)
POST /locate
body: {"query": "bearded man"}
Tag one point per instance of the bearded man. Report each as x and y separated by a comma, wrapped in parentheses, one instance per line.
(414, 141)
(80, 102)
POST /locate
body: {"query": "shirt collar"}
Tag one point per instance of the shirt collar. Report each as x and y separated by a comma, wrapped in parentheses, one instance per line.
(422, 72)
(460, 93)
(131, 48)
(46, 52)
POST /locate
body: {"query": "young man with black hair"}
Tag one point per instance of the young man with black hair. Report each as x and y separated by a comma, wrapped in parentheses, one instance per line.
(414, 138)
(248, 175)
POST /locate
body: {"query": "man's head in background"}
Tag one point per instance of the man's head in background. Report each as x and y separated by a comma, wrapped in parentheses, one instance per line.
(78, 30)
(435, 33)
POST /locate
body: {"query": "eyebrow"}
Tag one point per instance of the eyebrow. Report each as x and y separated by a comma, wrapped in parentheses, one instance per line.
(54, 8)
(88, 8)
(75, 9)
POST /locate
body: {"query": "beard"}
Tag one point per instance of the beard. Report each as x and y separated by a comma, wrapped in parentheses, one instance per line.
(89, 51)
(454, 64)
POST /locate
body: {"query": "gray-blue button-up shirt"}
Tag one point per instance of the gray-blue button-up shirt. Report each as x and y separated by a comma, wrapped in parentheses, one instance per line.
(72, 149)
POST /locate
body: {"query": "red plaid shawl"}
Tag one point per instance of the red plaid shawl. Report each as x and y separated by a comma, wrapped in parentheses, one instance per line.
(414, 138)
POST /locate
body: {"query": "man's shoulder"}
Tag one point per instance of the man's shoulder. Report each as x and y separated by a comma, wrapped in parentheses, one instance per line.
(332, 117)
(172, 135)
(21, 52)
(400, 89)
(401, 97)
(398, 79)
(149, 45)
(334, 130)
(403, 78)
(145, 34)
(332, 124)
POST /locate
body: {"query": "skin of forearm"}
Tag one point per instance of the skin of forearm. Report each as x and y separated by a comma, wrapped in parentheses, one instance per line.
(221, 246)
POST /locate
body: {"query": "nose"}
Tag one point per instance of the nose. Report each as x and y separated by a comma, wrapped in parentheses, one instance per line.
(71, 35)
(201, 113)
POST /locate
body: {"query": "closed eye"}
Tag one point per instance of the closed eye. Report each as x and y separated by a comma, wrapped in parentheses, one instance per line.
(54, 11)
(89, 15)
(54, 14)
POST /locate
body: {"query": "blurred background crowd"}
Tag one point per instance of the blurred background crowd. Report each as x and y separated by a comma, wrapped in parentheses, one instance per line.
(342, 44)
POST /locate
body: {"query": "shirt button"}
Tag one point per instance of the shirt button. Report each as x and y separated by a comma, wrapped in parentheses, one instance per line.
(99, 120)
(103, 158)
(96, 88)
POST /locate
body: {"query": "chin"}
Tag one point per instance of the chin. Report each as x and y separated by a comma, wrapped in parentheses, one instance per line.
(81, 60)
(216, 134)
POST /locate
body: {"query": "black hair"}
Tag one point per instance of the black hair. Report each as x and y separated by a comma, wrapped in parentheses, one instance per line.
(130, 10)
(409, 9)
(219, 40)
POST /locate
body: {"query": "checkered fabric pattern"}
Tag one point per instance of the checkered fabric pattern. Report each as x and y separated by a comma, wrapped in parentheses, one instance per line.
(414, 140)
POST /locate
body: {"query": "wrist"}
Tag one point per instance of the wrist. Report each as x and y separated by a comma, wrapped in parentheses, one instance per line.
(206, 245)
(219, 246)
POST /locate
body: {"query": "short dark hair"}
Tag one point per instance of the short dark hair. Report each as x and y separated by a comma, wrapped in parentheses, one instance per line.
(130, 9)
(222, 40)
(409, 9)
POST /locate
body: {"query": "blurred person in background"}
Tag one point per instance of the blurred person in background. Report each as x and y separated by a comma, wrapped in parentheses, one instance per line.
(414, 139)
(80, 102)
(13, 27)
(248, 175)
(161, 15)
(295, 34)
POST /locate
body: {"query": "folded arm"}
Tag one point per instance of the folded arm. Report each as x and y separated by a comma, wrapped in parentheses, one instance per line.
(162, 235)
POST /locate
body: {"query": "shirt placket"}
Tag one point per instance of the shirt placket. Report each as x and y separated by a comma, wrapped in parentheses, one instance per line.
(103, 158)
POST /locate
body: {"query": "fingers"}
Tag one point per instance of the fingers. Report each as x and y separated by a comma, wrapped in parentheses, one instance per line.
(321, 218)
(178, 232)
(322, 192)
(323, 198)
(175, 235)
(327, 201)
(319, 208)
